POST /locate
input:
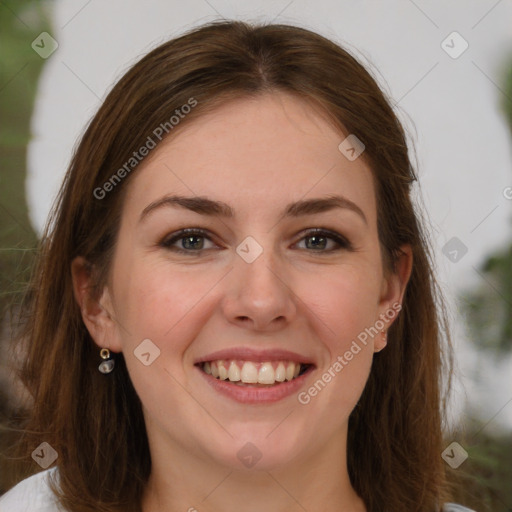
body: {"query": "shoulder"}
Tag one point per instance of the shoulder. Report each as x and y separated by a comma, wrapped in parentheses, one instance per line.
(454, 507)
(32, 495)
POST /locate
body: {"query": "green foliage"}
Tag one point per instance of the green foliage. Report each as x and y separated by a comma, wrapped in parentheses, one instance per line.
(507, 97)
(485, 477)
(21, 21)
(483, 480)
(489, 307)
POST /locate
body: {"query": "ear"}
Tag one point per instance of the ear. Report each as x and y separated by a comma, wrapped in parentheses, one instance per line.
(393, 288)
(97, 313)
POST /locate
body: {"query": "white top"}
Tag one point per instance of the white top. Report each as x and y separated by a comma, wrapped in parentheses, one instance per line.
(34, 495)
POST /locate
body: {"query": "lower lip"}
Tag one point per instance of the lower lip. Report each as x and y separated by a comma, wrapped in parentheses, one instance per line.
(256, 395)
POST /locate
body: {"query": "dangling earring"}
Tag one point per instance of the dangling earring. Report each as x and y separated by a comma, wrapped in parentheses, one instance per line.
(107, 365)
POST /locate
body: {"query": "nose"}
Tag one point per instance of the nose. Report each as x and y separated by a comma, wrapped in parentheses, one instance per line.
(259, 295)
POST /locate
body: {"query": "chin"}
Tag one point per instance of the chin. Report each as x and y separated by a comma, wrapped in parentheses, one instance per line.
(260, 449)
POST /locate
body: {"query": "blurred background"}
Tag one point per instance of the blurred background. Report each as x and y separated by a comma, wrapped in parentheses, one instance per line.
(447, 68)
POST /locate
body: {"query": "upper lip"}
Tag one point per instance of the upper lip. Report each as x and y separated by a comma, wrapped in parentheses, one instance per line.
(257, 356)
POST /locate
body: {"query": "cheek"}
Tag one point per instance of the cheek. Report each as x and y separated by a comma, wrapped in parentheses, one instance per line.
(344, 301)
(164, 304)
(168, 307)
(344, 307)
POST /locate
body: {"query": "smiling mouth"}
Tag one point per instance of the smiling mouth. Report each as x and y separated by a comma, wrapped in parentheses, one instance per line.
(254, 374)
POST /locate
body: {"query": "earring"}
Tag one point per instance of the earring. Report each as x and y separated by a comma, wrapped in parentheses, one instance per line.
(107, 365)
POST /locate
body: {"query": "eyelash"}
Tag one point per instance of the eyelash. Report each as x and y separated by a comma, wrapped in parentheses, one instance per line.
(167, 242)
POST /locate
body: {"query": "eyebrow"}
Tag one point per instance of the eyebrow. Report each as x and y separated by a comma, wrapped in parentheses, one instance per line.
(205, 206)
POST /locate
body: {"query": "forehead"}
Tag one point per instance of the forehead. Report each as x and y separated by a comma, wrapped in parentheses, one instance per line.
(255, 154)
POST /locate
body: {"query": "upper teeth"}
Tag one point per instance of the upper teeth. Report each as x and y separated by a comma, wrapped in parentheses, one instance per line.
(249, 372)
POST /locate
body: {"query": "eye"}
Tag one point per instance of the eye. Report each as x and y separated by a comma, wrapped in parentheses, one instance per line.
(318, 240)
(189, 240)
(192, 241)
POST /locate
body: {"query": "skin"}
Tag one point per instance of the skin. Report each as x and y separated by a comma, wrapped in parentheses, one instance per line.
(257, 155)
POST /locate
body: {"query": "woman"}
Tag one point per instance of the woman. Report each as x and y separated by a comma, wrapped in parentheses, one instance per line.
(234, 306)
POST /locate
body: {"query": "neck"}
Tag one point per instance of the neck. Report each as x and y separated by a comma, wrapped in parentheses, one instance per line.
(315, 482)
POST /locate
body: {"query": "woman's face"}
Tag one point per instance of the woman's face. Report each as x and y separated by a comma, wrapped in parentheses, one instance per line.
(252, 291)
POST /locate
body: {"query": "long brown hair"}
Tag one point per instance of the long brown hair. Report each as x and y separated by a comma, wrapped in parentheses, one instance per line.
(95, 423)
